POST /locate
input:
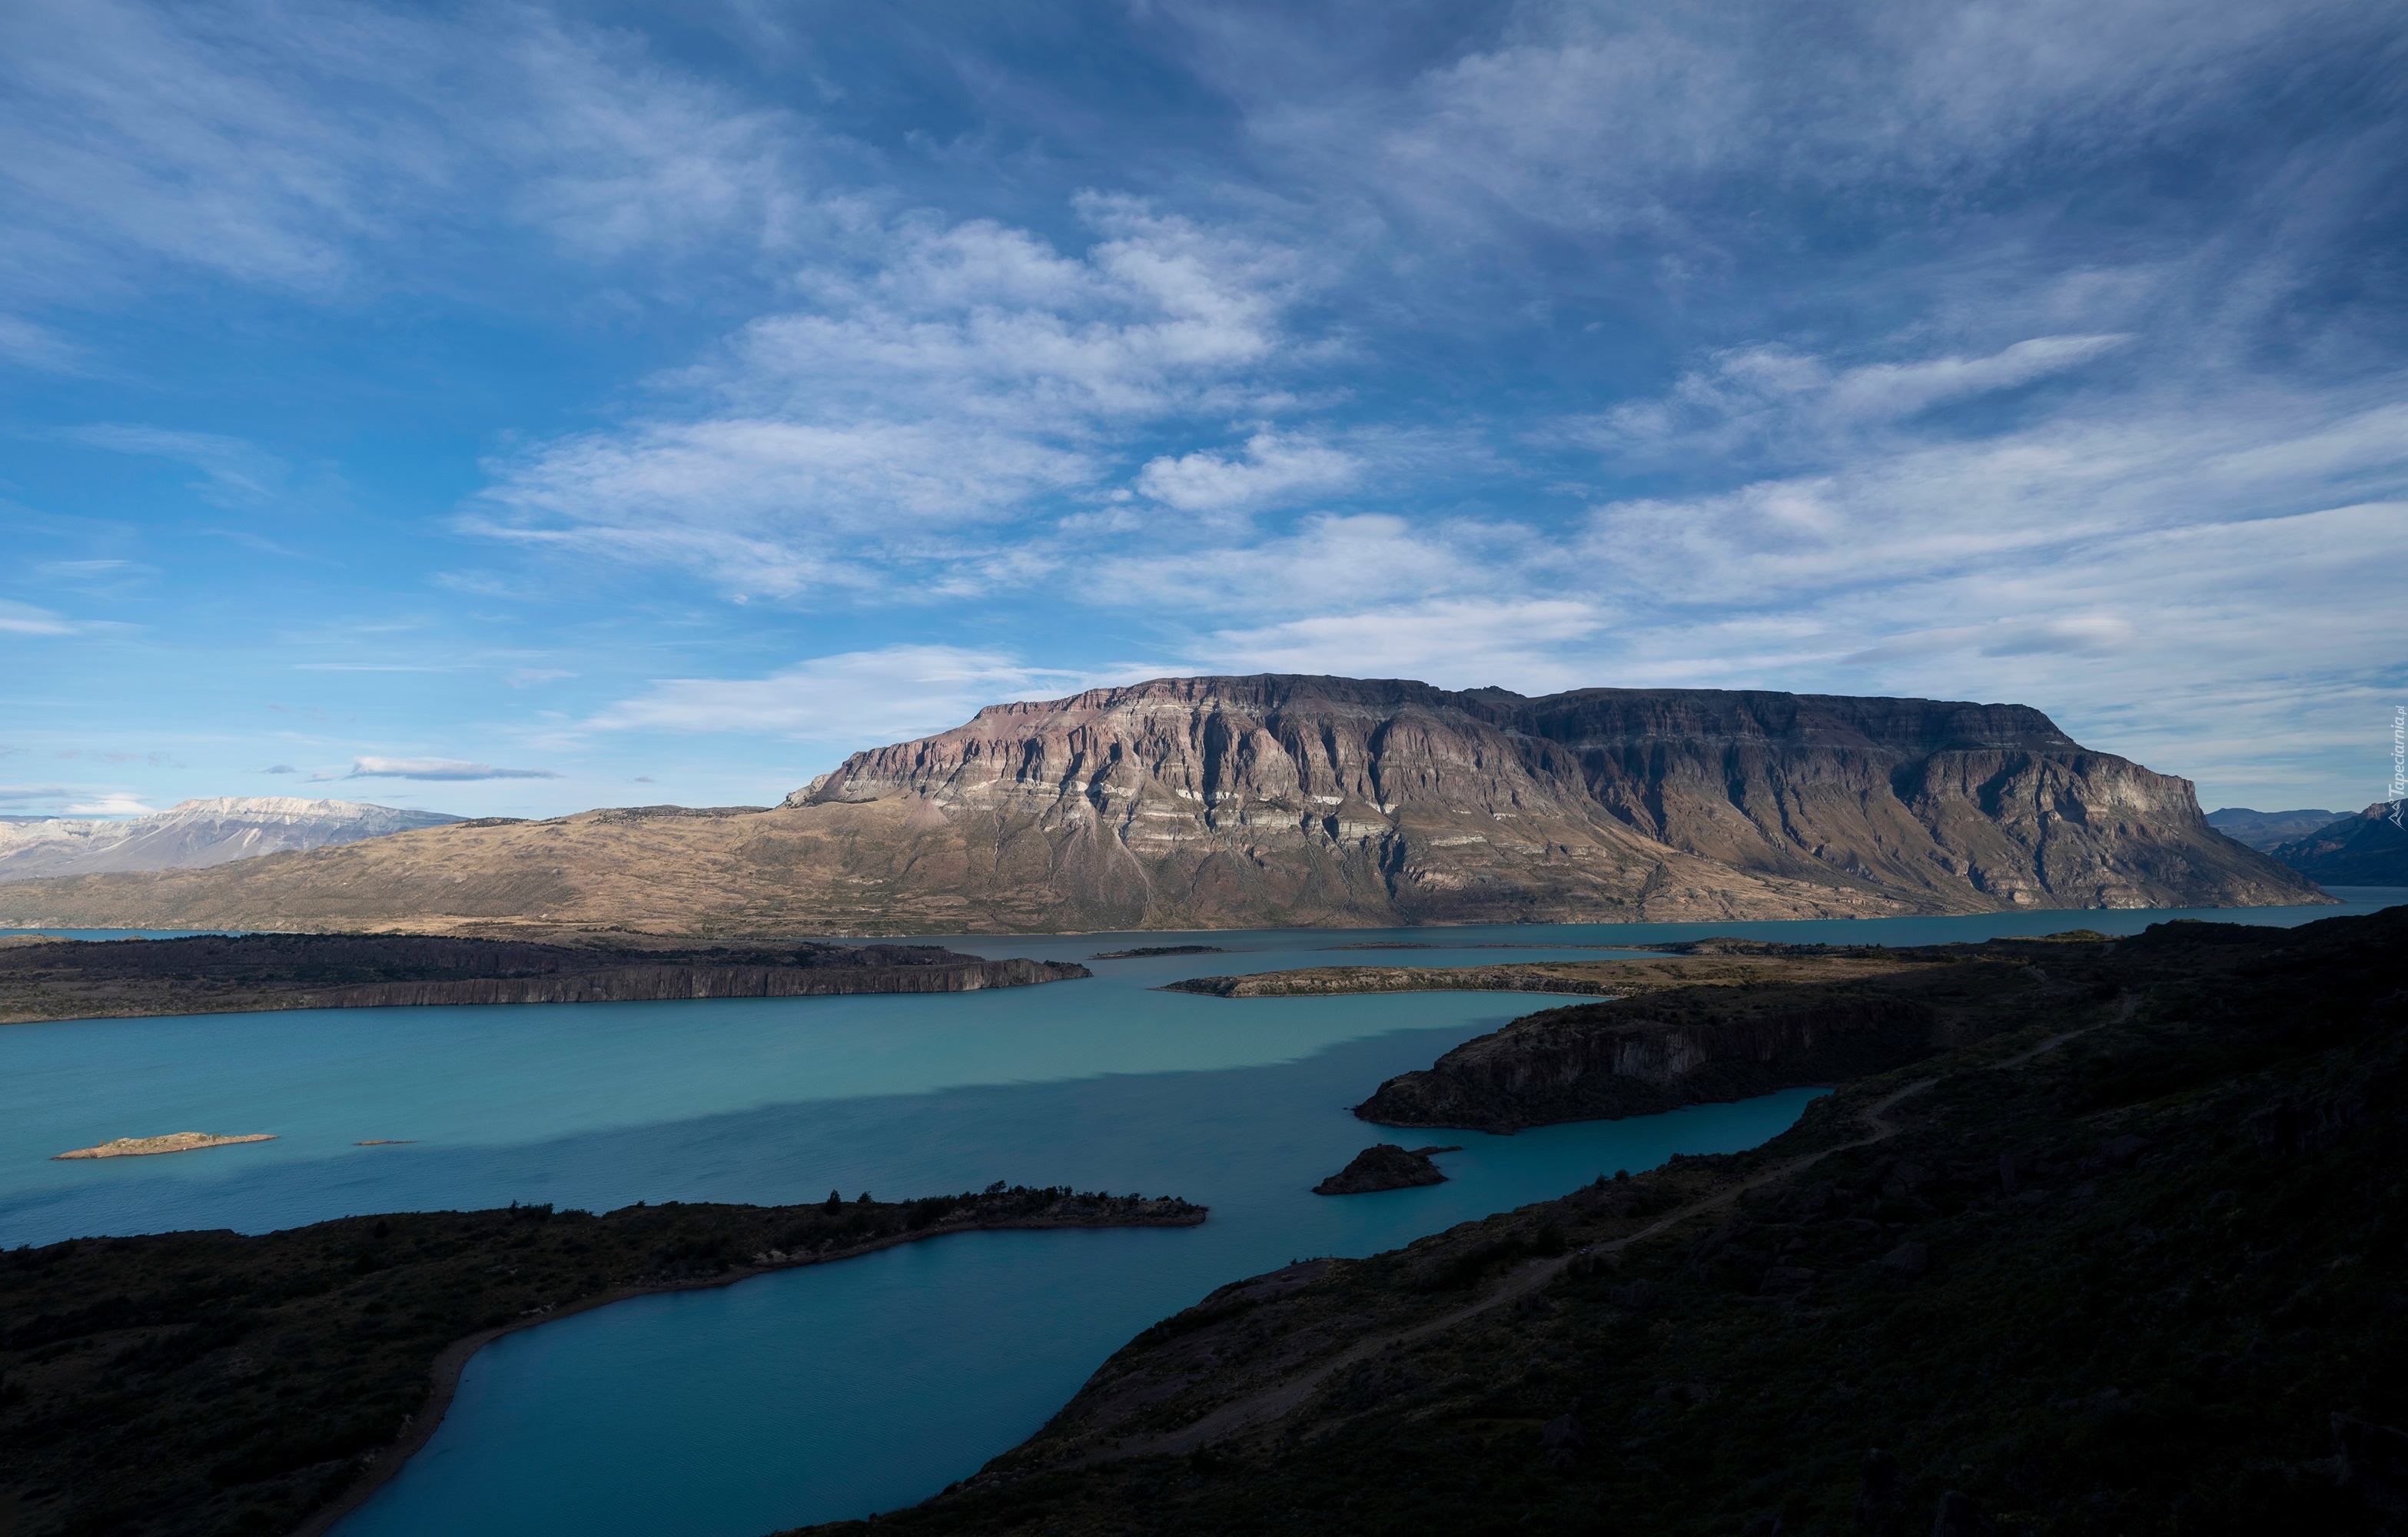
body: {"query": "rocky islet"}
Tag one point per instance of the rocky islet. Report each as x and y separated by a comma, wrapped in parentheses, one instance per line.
(1385, 1166)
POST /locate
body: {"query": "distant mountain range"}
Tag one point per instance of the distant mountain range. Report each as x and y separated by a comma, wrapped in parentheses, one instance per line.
(194, 834)
(1270, 800)
(2370, 849)
(2264, 830)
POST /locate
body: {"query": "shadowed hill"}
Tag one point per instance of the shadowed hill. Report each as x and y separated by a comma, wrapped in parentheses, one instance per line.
(2135, 1265)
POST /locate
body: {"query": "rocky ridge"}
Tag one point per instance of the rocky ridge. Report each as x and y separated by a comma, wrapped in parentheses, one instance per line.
(1278, 801)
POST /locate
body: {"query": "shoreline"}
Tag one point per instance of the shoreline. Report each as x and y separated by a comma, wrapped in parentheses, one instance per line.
(387, 1461)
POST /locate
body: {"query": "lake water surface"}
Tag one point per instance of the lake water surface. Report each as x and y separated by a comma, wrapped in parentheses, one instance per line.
(834, 1391)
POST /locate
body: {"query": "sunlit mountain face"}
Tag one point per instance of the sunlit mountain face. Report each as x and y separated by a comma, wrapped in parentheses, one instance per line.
(514, 410)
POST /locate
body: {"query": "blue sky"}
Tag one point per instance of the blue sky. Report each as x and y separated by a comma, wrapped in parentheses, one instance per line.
(508, 410)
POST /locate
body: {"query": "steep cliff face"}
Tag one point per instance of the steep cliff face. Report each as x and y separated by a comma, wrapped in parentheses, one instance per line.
(1396, 798)
(1227, 802)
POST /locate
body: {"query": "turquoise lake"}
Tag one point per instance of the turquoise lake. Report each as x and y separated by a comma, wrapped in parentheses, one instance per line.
(841, 1389)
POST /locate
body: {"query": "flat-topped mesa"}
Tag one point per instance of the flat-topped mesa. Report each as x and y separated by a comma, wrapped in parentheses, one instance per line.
(1190, 803)
(1880, 804)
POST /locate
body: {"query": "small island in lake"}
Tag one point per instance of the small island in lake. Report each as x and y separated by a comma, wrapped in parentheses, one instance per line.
(175, 1142)
(1384, 1166)
(1143, 950)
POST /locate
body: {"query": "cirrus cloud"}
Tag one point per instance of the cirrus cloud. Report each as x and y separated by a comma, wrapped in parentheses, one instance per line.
(433, 768)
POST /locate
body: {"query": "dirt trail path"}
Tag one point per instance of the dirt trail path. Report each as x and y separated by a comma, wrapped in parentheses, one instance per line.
(1275, 1401)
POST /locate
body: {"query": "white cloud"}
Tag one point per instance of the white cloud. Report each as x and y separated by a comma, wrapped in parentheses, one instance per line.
(1331, 560)
(236, 474)
(1674, 127)
(71, 800)
(772, 506)
(1757, 400)
(31, 345)
(432, 768)
(114, 803)
(1531, 645)
(311, 148)
(964, 373)
(24, 619)
(1273, 467)
(852, 698)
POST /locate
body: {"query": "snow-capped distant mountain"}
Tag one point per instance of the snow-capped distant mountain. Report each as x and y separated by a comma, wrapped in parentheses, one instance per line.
(195, 833)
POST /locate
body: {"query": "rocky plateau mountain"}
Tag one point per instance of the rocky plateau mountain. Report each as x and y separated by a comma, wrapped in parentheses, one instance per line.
(194, 835)
(1267, 800)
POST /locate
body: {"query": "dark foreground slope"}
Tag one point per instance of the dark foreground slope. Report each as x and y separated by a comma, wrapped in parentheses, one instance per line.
(212, 1382)
(219, 973)
(1279, 801)
(2149, 1279)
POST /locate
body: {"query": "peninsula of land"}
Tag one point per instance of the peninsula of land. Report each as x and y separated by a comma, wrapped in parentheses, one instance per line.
(174, 1142)
(1686, 964)
(187, 1384)
(218, 973)
(2130, 1262)
(1728, 1026)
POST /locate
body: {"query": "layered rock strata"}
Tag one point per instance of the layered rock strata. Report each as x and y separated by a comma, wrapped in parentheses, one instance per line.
(1270, 800)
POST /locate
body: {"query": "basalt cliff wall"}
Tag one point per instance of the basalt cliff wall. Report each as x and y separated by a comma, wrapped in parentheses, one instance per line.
(1217, 802)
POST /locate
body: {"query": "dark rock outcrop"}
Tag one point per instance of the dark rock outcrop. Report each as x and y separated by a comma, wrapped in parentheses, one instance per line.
(213, 973)
(1145, 952)
(1606, 1061)
(2372, 1462)
(1384, 1166)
